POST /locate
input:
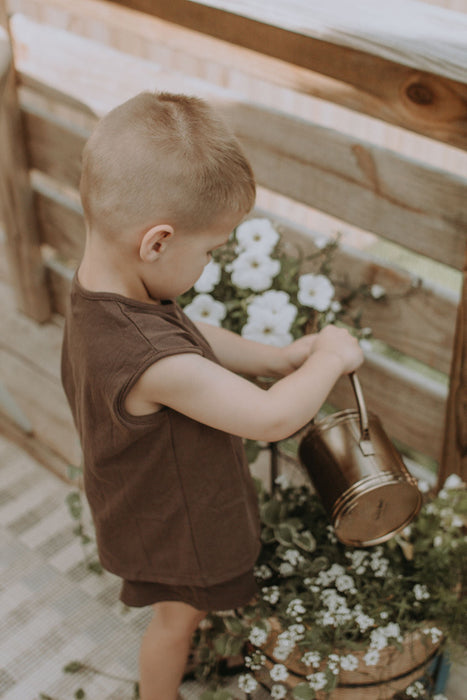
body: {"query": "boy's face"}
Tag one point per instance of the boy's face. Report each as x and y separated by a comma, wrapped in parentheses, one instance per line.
(185, 257)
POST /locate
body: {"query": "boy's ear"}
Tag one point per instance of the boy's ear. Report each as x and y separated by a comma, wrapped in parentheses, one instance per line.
(153, 242)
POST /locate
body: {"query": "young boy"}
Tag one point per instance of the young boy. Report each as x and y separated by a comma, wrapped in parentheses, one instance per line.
(157, 400)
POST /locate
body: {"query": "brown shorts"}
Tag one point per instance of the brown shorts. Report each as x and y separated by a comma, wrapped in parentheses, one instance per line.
(223, 596)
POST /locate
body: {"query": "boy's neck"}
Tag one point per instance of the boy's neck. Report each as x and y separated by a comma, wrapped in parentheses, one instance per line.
(99, 272)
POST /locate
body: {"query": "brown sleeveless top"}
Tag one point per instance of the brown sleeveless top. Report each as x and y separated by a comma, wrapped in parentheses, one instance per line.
(172, 499)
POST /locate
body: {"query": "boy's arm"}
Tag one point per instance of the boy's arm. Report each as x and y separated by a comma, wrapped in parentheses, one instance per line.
(255, 359)
(211, 394)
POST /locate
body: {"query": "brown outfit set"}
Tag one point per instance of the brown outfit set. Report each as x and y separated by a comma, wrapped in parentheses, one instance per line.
(173, 502)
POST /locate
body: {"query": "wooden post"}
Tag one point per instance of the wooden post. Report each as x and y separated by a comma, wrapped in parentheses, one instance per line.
(454, 459)
(16, 196)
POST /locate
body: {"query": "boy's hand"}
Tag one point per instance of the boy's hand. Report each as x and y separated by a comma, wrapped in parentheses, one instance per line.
(297, 352)
(339, 343)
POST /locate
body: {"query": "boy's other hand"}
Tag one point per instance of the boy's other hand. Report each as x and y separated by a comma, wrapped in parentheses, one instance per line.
(339, 343)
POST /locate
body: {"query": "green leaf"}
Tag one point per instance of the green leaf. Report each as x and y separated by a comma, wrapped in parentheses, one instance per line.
(80, 694)
(75, 506)
(252, 450)
(306, 541)
(303, 692)
(73, 667)
(136, 694)
(234, 625)
(285, 534)
(270, 512)
(95, 567)
(74, 472)
(216, 695)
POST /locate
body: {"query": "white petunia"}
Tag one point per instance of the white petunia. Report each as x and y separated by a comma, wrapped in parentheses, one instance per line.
(315, 291)
(205, 308)
(209, 279)
(276, 303)
(278, 692)
(247, 683)
(453, 482)
(267, 329)
(279, 672)
(257, 234)
(254, 270)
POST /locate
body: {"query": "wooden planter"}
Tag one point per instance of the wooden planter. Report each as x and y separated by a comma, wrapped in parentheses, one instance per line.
(395, 671)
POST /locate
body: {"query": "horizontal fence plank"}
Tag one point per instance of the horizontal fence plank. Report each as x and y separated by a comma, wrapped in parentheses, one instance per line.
(60, 218)
(365, 185)
(54, 147)
(373, 188)
(413, 80)
(416, 317)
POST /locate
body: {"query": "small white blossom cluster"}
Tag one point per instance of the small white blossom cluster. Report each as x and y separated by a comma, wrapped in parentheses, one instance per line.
(311, 658)
(278, 692)
(362, 560)
(416, 690)
(421, 592)
(279, 672)
(271, 594)
(247, 683)
(262, 572)
(258, 636)
(284, 646)
(317, 681)
(255, 661)
(296, 609)
(293, 557)
(434, 632)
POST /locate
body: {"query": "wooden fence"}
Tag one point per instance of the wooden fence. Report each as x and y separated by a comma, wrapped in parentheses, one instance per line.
(63, 82)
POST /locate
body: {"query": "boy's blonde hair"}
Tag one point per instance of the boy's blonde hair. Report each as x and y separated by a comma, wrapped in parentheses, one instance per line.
(162, 158)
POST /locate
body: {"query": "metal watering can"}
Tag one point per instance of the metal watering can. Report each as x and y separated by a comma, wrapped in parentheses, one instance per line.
(359, 475)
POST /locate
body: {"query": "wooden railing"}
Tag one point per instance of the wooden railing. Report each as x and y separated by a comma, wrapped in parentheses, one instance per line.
(348, 53)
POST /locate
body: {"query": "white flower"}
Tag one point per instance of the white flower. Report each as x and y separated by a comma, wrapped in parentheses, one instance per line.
(421, 591)
(434, 632)
(262, 572)
(296, 632)
(205, 308)
(276, 303)
(345, 583)
(377, 291)
(336, 306)
(364, 621)
(415, 690)
(453, 482)
(257, 234)
(267, 329)
(293, 556)
(311, 658)
(209, 279)
(258, 636)
(283, 481)
(279, 672)
(284, 646)
(439, 696)
(334, 663)
(423, 486)
(271, 594)
(247, 683)
(255, 661)
(438, 541)
(278, 692)
(371, 658)
(295, 608)
(349, 662)
(254, 270)
(317, 681)
(315, 291)
(457, 521)
(285, 569)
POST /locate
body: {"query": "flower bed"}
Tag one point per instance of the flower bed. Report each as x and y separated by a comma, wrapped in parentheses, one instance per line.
(329, 615)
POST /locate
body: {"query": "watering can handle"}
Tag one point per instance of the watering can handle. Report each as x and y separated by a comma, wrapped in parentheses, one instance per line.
(357, 389)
